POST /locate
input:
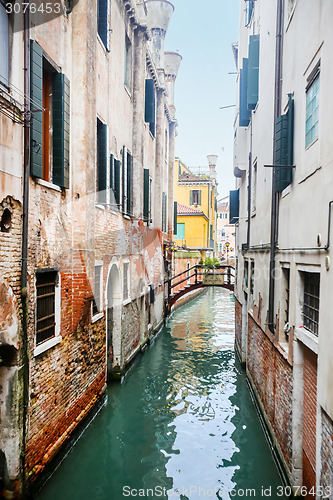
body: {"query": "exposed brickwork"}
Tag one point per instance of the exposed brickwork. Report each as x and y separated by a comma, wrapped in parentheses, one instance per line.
(272, 376)
(310, 418)
(326, 479)
(238, 324)
(43, 446)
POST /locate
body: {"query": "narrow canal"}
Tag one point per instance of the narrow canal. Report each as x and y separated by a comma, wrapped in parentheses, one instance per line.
(181, 425)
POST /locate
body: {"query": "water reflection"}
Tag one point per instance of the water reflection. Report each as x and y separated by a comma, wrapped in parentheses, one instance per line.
(182, 420)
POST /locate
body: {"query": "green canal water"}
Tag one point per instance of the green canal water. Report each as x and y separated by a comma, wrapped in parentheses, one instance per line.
(181, 424)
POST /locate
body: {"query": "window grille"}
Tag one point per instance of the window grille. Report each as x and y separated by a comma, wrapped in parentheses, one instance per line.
(311, 302)
(46, 289)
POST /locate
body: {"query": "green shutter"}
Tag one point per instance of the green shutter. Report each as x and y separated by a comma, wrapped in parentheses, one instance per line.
(175, 207)
(146, 194)
(234, 206)
(150, 101)
(199, 197)
(244, 113)
(129, 184)
(253, 72)
(117, 181)
(124, 175)
(283, 148)
(61, 124)
(36, 95)
(191, 197)
(102, 154)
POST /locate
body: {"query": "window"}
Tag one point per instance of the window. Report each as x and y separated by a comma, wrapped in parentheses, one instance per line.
(4, 46)
(252, 278)
(98, 283)
(50, 91)
(285, 300)
(248, 11)
(103, 22)
(312, 106)
(150, 106)
(147, 185)
(126, 281)
(127, 174)
(48, 301)
(102, 155)
(180, 231)
(195, 197)
(223, 232)
(128, 63)
(114, 182)
(311, 301)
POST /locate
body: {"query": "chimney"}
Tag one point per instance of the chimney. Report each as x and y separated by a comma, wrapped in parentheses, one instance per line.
(159, 15)
(212, 161)
(172, 61)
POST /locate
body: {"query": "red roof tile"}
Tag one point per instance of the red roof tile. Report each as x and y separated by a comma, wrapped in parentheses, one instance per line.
(183, 209)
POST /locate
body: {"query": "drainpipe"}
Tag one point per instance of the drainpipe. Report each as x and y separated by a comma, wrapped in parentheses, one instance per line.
(275, 195)
(24, 268)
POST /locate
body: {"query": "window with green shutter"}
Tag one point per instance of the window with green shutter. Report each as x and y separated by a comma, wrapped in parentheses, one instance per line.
(283, 148)
(61, 118)
(195, 197)
(146, 195)
(253, 72)
(50, 129)
(127, 184)
(103, 22)
(117, 168)
(244, 112)
(102, 154)
(234, 206)
(175, 208)
(36, 95)
(150, 105)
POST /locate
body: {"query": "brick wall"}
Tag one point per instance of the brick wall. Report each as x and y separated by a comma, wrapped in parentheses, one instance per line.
(272, 377)
(310, 418)
(326, 479)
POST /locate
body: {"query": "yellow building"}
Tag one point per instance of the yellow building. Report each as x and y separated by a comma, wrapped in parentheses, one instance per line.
(196, 197)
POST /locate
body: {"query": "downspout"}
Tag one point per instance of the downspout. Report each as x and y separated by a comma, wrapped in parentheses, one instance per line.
(24, 268)
(275, 195)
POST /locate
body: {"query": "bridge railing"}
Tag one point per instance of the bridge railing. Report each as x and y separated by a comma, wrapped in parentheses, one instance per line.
(224, 275)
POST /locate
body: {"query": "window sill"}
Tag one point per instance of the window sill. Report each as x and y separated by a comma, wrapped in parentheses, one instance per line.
(128, 217)
(106, 49)
(47, 184)
(307, 338)
(97, 317)
(128, 91)
(311, 143)
(45, 346)
(126, 302)
(100, 207)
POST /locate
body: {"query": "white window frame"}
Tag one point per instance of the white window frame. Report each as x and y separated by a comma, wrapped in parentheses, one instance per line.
(313, 79)
(48, 344)
(100, 314)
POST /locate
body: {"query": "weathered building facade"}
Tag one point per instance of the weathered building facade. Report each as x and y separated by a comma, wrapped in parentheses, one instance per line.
(283, 154)
(86, 203)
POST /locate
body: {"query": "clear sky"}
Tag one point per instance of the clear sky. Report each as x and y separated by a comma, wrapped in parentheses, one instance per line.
(202, 32)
